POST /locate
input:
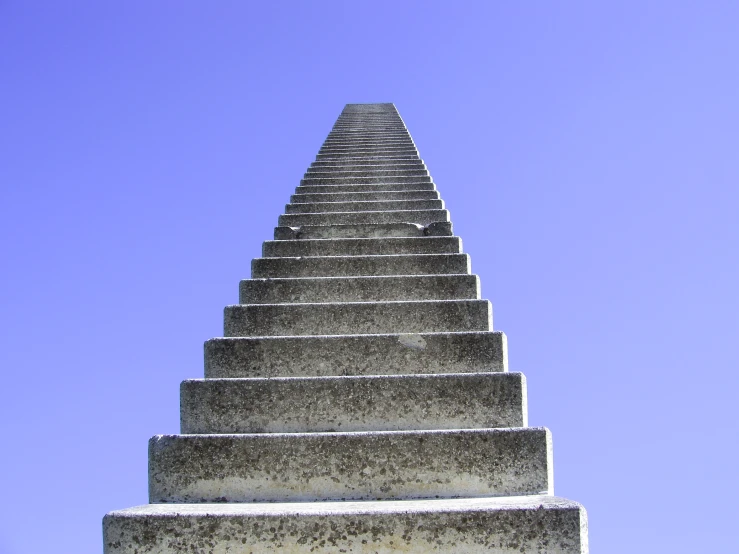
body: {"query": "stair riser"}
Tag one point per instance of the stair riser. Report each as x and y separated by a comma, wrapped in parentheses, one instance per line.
(349, 466)
(309, 405)
(368, 136)
(365, 196)
(268, 320)
(336, 173)
(380, 139)
(396, 123)
(365, 180)
(359, 150)
(361, 247)
(422, 217)
(357, 166)
(359, 289)
(484, 526)
(369, 127)
(371, 157)
(368, 155)
(363, 206)
(429, 264)
(386, 230)
(387, 187)
(356, 355)
(379, 144)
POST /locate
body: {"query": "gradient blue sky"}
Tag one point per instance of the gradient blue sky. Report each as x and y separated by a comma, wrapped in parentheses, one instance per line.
(587, 153)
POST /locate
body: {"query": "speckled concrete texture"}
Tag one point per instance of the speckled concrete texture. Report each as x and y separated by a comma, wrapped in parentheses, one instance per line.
(372, 403)
(379, 163)
(363, 206)
(393, 354)
(364, 196)
(364, 180)
(361, 246)
(365, 172)
(424, 217)
(342, 318)
(361, 266)
(529, 525)
(359, 289)
(364, 230)
(380, 465)
(375, 187)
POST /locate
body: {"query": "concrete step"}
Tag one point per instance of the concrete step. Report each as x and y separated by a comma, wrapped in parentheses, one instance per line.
(422, 217)
(360, 149)
(503, 525)
(376, 164)
(349, 136)
(386, 153)
(371, 157)
(361, 247)
(386, 465)
(369, 132)
(439, 229)
(395, 123)
(336, 173)
(350, 143)
(368, 135)
(361, 266)
(373, 403)
(392, 354)
(358, 289)
(361, 126)
(365, 180)
(346, 318)
(379, 139)
(369, 126)
(373, 187)
(362, 206)
(365, 196)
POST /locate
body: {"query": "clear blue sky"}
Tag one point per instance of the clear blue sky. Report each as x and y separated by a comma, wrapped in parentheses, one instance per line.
(587, 152)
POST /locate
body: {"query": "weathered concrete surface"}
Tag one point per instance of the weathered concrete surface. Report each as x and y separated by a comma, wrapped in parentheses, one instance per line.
(381, 465)
(364, 230)
(512, 525)
(375, 162)
(365, 172)
(342, 318)
(376, 403)
(363, 206)
(424, 217)
(365, 196)
(367, 143)
(358, 289)
(351, 138)
(351, 146)
(361, 247)
(344, 266)
(369, 157)
(364, 154)
(371, 164)
(355, 134)
(368, 151)
(372, 187)
(423, 353)
(365, 180)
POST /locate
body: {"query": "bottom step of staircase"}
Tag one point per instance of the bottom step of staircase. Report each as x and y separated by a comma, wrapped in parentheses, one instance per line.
(529, 524)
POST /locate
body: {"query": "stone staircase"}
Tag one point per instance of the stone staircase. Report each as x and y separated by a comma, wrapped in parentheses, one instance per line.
(360, 400)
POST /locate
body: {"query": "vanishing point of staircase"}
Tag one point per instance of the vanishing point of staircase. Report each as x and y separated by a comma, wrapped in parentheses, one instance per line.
(359, 400)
